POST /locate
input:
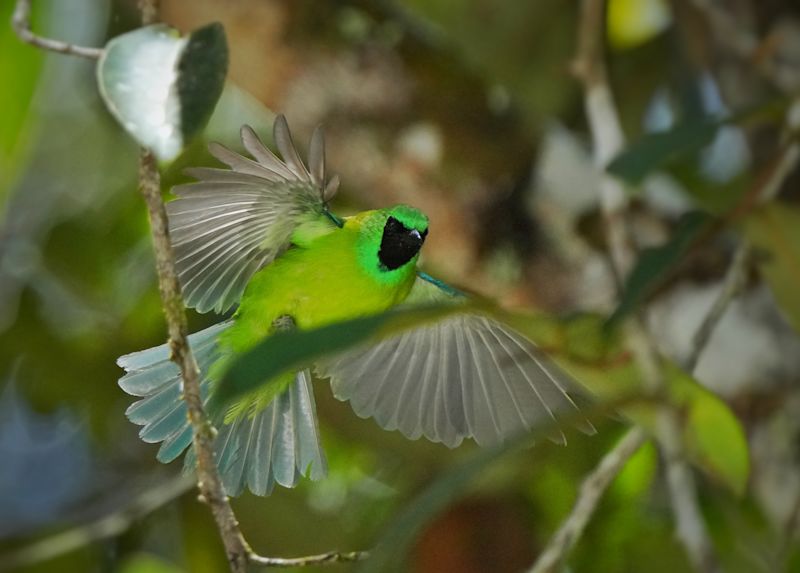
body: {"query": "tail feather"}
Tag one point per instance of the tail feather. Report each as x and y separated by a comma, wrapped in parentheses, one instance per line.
(278, 444)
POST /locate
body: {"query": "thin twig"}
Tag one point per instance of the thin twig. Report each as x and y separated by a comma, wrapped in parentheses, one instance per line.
(109, 525)
(733, 283)
(149, 11)
(208, 480)
(740, 42)
(591, 492)
(21, 23)
(322, 559)
(788, 534)
(607, 135)
(608, 141)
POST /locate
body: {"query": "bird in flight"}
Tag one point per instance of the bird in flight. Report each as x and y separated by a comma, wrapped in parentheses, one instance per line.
(259, 234)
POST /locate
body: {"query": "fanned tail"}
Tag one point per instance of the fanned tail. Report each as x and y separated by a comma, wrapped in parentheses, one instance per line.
(278, 444)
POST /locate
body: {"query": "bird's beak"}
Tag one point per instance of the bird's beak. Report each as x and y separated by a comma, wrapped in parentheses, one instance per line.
(416, 235)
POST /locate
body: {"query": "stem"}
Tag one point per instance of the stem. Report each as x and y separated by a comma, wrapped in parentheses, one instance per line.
(732, 285)
(21, 23)
(321, 559)
(608, 141)
(110, 525)
(591, 492)
(208, 480)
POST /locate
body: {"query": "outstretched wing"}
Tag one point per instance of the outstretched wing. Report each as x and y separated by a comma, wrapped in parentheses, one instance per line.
(465, 376)
(231, 222)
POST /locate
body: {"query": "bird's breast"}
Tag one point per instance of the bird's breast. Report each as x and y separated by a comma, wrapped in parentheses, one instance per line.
(317, 286)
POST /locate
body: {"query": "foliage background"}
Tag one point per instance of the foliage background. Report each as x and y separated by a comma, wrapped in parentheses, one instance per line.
(468, 111)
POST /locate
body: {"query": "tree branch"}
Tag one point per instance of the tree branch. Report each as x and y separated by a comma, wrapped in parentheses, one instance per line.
(209, 483)
(608, 141)
(591, 492)
(738, 41)
(21, 23)
(208, 480)
(732, 285)
(110, 525)
(321, 559)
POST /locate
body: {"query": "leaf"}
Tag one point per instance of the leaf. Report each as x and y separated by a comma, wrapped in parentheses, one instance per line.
(637, 475)
(393, 546)
(714, 439)
(775, 228)
(654, 264)
(631, 23)
(292, 349)
(656, 149)
(21, 65)
(146, 563)
(394, 543)
(162, 87)
(235, 108)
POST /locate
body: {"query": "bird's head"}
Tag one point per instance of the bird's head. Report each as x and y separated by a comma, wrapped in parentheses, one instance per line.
(390, 238)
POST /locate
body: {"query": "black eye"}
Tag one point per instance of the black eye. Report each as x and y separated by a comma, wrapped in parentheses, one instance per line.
(399, 244)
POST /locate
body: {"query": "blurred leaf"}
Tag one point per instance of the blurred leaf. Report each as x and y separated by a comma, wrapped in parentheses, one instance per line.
(713, 436)
(634, 22)
(163, 87)
(237, 107)
(638, 473)
(715, 439)
(393, 546)
(595, 356)
(145, 563)
(287, 350)
(655, 263)
(775, 228)
(656, 149)
(35, 448)
(20, 66)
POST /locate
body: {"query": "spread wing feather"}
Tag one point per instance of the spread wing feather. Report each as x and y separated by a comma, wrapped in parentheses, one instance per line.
(231, 222)
(279, 444)
(465, 376)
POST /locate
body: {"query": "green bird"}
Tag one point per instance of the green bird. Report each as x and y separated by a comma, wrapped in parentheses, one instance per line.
(259, 234)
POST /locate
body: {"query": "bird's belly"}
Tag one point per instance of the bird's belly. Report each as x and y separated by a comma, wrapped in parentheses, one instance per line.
(327, 297)
(313, 294)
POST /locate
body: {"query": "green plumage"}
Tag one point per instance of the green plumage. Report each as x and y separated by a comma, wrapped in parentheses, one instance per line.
(260, 234)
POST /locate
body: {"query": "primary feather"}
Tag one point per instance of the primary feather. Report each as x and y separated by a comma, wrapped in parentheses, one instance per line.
(259, 234)
(229, 224)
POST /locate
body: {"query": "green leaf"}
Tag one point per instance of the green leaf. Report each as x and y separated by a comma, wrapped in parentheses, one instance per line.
(393, 546)
(235, 108)
(288, 350)
(714, 439)
(713, 436)
(656, 149)
(637, 475)
(146, 563)
(163, 87)
(20, 66)
(394, 543)
(654, 264)
(775, 229)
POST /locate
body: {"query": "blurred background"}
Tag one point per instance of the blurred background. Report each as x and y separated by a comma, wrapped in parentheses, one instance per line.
(471, 112)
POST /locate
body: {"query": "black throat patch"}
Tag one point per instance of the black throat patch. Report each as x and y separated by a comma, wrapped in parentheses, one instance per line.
(399, 244)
